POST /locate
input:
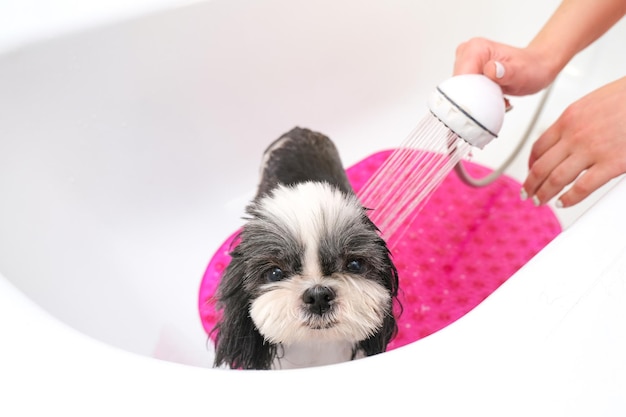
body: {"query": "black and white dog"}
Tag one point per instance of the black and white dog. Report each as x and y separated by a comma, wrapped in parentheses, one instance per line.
(310, 282)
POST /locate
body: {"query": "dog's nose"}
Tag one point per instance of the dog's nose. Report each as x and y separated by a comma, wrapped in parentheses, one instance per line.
(318, 299)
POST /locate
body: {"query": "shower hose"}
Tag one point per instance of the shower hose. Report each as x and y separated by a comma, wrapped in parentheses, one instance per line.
(488, 179)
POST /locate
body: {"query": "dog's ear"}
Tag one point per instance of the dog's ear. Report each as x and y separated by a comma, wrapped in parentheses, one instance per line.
(238, 343)
(378, 342)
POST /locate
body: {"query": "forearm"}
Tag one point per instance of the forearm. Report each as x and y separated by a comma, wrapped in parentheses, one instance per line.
(575, 25)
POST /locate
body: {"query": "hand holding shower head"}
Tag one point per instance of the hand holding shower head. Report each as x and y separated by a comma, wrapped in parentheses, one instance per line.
(465, 111)
(471, 105)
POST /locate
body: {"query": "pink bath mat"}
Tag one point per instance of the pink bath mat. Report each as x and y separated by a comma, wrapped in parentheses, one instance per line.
(463, 245)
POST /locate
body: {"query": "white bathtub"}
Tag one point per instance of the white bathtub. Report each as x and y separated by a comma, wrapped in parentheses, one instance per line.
(129, 149)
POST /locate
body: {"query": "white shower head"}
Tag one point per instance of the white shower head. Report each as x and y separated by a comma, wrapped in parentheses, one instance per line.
(471, 105)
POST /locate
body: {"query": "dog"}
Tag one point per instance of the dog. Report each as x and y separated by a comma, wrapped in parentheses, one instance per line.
(310, 282)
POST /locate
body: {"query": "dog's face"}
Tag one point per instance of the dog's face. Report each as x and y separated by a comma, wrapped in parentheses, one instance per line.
(316, 275)
(309, 267)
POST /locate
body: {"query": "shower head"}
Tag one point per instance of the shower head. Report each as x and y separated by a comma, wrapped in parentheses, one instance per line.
(471, 105)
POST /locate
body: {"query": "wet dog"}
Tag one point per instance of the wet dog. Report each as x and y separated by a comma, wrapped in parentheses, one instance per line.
(310, 282)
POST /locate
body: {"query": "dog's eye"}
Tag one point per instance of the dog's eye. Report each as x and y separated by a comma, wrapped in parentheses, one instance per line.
(274, 274)
(355, 266)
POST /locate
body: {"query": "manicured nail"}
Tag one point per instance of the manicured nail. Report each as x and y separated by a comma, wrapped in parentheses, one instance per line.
(536, 201)
(499, 69)
(558, 203)
(523, 195)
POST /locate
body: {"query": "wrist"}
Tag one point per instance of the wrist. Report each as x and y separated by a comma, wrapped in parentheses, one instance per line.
(548, 59)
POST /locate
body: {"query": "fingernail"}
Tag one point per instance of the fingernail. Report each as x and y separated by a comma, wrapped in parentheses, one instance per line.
(558, 203)
(523, 195)
(499, 69)
(536, 201)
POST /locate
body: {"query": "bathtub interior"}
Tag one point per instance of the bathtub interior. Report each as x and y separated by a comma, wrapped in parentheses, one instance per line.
(129, 150)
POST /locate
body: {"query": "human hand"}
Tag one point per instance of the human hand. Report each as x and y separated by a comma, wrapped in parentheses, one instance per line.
(586, 146)
(519, 71)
